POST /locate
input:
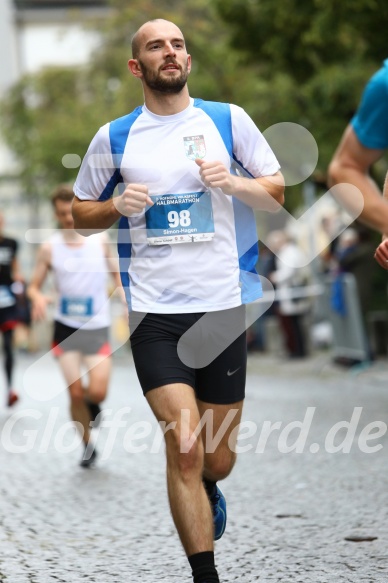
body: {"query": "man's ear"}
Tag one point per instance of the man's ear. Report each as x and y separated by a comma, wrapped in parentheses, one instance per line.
(134, 67)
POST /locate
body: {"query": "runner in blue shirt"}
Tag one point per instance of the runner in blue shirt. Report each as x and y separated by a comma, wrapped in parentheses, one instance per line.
(363, 143)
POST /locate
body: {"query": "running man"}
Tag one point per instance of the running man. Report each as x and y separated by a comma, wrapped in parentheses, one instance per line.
(363, 143)
(188, 248)
(9, 275)
(82, 316)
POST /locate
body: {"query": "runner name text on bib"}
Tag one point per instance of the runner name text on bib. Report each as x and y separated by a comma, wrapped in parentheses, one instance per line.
(180, 218)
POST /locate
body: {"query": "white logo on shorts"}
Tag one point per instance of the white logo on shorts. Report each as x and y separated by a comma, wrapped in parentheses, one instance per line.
(230, 373)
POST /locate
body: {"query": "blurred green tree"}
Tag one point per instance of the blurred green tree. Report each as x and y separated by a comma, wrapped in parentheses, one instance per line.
(57, 111)
(302, 61)
(312, 56)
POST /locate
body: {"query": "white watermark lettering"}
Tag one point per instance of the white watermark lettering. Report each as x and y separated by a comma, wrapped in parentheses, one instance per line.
(21, 433)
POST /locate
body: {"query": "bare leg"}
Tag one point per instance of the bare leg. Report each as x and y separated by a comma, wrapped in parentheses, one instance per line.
(189, 504)
(99, 367)
(220, 458)
(70, 364)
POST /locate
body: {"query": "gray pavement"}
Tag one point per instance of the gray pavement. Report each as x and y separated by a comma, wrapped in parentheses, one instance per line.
(290, 513)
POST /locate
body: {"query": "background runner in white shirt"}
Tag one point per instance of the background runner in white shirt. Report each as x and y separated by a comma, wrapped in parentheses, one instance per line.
(80, 269)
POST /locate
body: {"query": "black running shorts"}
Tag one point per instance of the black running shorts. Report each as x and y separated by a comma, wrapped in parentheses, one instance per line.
(205, 351)
(88, 342)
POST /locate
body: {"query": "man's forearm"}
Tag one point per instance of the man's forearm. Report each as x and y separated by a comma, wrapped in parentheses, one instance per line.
(385, 191)
(375, 209)
(265, 193)
(93, 215)
(351, 165)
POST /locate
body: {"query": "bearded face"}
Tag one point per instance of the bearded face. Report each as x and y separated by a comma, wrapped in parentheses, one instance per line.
(169, 78)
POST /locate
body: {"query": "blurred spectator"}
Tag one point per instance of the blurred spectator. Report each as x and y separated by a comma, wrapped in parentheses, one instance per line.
(353, 255)
(290, 278)
(331, 225)
(256, 340)
(10, 278)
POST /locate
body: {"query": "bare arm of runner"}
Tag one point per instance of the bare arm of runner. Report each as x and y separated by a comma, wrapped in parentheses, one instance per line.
(114, 270)
(350, 165)
(40, 301)
(100, 215)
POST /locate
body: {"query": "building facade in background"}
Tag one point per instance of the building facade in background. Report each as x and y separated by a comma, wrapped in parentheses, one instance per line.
(35, 34)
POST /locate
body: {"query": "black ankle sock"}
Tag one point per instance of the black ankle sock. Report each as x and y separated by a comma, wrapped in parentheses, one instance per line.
(203, 567)
(209, 487)
(94, 409)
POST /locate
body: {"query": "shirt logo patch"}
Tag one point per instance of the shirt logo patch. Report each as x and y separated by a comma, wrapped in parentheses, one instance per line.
(194, 147)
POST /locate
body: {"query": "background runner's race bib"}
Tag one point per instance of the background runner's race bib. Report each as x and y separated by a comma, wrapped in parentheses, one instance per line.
(180, 218)
(77, 307)
(7, 299)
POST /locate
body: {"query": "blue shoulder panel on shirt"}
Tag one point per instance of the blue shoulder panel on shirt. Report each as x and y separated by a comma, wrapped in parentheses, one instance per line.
(115, 179)
(222, 118)
(124, 248)
(371, 120)
(118, 135)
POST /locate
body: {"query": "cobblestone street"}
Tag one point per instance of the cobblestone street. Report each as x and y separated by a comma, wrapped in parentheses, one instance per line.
(293, 501)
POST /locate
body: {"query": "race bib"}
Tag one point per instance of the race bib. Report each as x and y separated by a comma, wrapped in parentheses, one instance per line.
(77, 308)
(7, 299)
(180, 218)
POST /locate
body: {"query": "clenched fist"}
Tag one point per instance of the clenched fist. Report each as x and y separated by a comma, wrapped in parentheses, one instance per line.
(133, 200)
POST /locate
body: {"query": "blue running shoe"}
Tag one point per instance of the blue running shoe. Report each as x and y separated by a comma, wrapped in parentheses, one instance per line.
(218, 504)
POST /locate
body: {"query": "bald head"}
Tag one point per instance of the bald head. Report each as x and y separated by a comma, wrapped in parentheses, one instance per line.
(150, 30)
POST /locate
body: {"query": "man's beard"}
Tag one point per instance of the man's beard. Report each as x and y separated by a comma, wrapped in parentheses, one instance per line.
(163, 85)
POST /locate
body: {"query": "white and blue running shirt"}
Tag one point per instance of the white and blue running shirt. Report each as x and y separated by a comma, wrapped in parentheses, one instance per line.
(81, 279)
(195, 249)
